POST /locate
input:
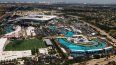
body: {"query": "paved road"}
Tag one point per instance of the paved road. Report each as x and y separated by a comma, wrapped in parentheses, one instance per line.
(101, 31)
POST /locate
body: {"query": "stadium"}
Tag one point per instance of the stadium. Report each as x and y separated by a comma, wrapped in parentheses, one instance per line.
(35, 19)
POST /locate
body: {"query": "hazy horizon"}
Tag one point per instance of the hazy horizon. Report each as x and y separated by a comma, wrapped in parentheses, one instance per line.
(66, 1)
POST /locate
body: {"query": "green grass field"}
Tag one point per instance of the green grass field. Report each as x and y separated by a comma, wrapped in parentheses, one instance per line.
(30, 44)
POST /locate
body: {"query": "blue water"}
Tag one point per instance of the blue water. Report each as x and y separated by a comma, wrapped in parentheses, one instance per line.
(52, 27)
(8, 29)
(74, 47)
(69, 34)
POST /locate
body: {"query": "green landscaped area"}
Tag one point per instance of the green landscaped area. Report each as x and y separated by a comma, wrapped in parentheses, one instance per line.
(16, 45)
(1, 30)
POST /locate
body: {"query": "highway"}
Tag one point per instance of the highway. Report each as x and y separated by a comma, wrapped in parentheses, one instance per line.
(101, 31)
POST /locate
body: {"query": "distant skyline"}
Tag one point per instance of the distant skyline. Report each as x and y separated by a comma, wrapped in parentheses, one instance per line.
(66, 1)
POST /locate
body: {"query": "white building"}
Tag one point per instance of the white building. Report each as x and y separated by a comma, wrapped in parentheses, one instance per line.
(10, 55)
(30, 31)
(43, 51)
(3, 42)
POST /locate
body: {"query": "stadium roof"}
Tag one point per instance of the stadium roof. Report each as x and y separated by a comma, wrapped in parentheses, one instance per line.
(38, 17)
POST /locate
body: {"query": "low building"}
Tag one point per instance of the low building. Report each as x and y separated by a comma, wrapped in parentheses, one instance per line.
(30, 31)
(43, 51)
(10, 55)
(48, 42)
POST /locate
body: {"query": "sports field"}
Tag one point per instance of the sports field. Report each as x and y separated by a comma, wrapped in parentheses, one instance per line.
(30, 44)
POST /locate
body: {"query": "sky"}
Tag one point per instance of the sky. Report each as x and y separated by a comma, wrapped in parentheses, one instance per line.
(67, 1)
